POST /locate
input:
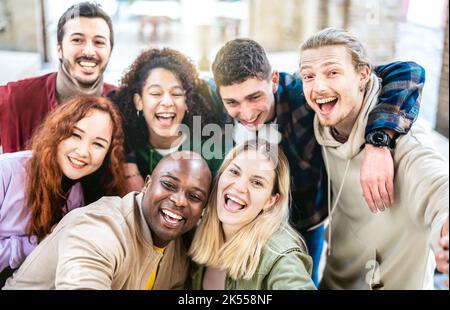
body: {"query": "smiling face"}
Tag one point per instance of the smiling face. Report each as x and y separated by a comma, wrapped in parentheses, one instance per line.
(84, 151)
(332, 86)
(245, 188)
(163, 102)
(251, 102)
(85, 49)
(175, 197)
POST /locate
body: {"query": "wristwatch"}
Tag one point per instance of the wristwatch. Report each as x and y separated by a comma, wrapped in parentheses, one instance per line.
(379, 138)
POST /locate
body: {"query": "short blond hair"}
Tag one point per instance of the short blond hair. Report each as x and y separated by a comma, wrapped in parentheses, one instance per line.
(334, 36)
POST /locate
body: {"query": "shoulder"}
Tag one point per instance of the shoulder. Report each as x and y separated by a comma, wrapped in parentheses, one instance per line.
(32, 81)
(281, 244)
(14, 161)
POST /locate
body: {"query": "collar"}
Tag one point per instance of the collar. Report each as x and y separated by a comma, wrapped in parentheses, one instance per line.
(67, 86)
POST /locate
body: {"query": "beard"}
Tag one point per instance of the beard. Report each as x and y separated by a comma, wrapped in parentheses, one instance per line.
(84, 82)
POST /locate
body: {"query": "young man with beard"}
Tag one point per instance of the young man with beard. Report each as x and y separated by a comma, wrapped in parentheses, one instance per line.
(134, 242)
(390, 250)
(85, 41)
(269, 104)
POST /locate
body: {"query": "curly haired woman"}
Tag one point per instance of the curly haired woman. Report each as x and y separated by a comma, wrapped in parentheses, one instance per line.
(38, 187)
(157, 96)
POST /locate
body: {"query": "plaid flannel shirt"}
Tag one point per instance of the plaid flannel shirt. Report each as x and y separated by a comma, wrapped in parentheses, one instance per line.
(397, 109)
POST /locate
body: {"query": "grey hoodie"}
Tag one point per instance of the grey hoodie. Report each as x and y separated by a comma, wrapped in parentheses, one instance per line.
(389, 250)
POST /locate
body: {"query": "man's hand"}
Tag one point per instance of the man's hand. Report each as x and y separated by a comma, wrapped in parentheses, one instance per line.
(377, 178)
(442, 256)
(133, 179)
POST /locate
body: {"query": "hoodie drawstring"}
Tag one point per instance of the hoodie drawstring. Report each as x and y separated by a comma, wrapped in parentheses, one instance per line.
(332, 209)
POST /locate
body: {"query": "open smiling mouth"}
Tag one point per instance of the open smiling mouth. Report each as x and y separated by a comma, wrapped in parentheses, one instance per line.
(234, 204)
(326, 105)
(172, 219)
(166, 119)
(252, 122)
(75, 163)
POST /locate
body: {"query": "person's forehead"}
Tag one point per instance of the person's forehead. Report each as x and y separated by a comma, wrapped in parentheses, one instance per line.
(325, 55)
(96, 25)
(189, 171)
(249, 86)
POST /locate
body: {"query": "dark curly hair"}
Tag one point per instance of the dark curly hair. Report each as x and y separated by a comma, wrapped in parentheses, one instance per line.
(239, 60)
(133, 81)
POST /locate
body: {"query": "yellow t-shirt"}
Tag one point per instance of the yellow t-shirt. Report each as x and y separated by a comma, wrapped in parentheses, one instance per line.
(151, 280)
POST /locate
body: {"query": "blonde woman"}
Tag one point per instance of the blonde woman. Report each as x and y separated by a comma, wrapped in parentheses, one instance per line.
(244, 240)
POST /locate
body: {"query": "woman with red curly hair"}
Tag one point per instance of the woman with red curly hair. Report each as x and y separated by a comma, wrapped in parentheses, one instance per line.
(81, 141)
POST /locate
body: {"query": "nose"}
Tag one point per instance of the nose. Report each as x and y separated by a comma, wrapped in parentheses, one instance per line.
(179, 199)
(240, 185)
(167, 100)
(83, 149)
(89, 49)
(246, 113)
(319, 84)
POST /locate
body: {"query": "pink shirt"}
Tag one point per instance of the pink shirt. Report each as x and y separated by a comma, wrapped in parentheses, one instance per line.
(14, 217)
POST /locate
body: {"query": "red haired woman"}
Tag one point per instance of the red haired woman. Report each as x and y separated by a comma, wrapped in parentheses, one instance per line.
(80, 141)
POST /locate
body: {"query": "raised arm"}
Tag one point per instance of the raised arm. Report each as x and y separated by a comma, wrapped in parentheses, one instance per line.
(397, 109)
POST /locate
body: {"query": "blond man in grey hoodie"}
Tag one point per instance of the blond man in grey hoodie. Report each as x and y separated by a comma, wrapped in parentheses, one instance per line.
(391, 250)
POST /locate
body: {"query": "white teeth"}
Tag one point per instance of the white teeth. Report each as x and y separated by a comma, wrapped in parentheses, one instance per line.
(77, 162)
(166, 115)
(171, 214)
(325, 100)
(87, 64)
(236, 200)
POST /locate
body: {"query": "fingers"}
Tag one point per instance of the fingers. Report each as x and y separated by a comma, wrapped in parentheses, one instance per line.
(377, 198)
(443, 242)
(368, 198)
(442, 261)
(384, 194)
(390, 190)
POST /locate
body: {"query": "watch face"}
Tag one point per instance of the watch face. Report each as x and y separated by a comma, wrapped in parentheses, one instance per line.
(379, 138)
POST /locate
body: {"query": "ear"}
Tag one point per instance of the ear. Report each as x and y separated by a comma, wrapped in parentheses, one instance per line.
(147, 183)
(137, 100)
(59, 51)
(364, 76)
(275, 81)
(272, 202)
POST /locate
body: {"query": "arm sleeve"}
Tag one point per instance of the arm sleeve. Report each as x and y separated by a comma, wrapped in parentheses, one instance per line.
(399, 99)
(424, 174)
(290, 273)
(88, 255)
(13, 249)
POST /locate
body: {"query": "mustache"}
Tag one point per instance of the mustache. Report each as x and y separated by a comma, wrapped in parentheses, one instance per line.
(86, 58)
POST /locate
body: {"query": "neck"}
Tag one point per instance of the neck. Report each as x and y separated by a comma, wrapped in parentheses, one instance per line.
(159, 242)
(67, 183)
(67, 86)
(163, 143)
(344, 127)
(229, 231)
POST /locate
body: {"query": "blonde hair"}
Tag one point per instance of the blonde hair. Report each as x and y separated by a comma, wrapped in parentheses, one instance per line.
(334, 36)
(240, 256)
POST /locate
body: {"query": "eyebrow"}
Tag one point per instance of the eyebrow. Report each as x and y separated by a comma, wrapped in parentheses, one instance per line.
(83, 35)
(168, 175)
(327, 64)
(99, 138)
(246, 97)
(171, 88)
(253, 176)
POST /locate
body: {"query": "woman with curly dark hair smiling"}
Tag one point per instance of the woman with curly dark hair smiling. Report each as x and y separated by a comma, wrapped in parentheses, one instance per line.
(157, 95)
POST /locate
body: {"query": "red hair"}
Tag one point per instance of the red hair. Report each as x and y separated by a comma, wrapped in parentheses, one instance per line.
(44, 194)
